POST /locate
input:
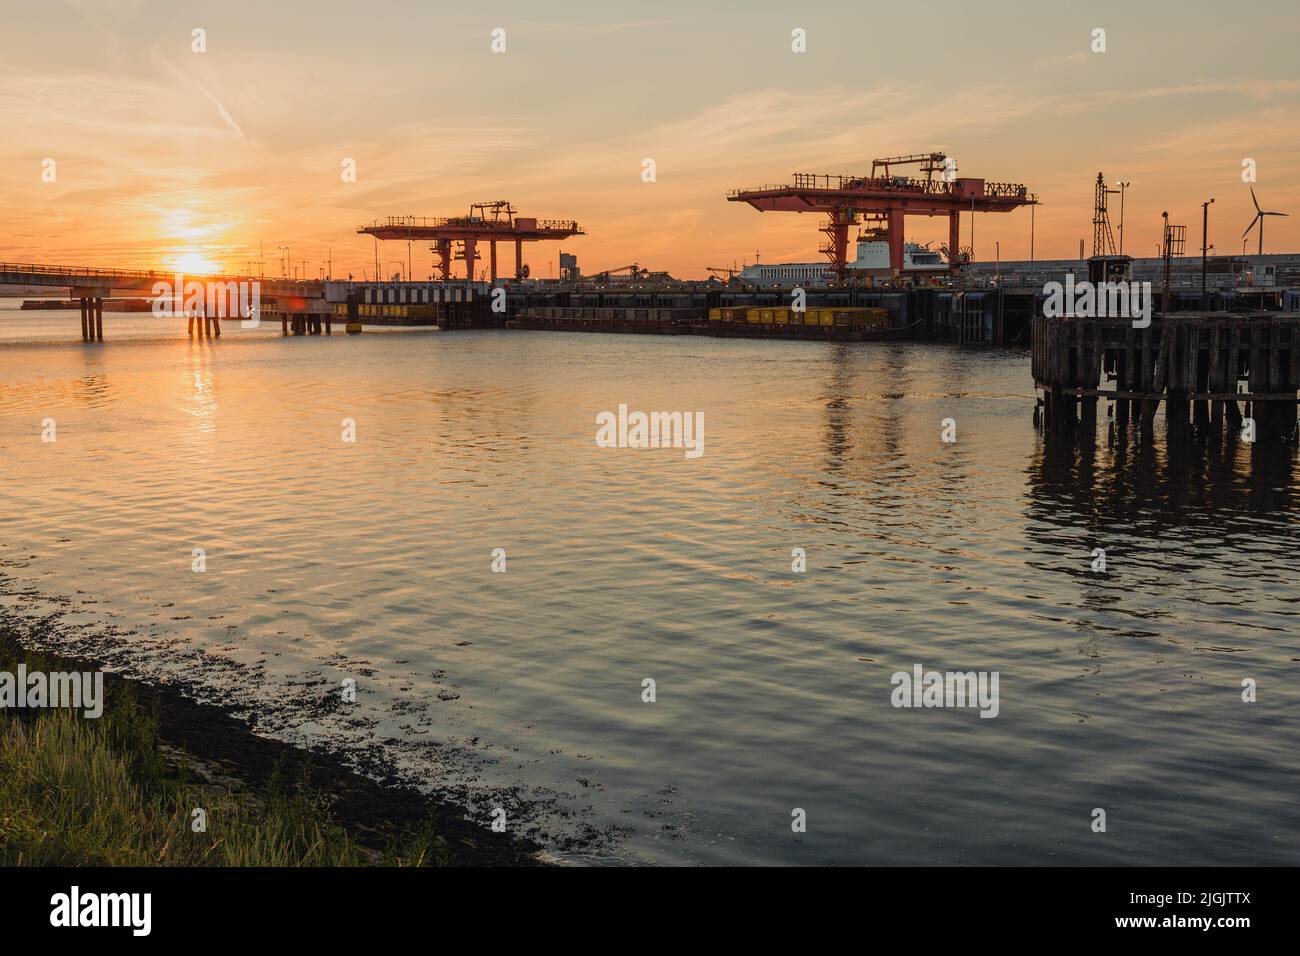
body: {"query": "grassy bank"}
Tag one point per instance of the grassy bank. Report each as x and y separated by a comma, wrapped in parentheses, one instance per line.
(122, 790)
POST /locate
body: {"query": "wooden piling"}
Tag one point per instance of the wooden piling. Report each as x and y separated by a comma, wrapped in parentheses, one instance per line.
(1191, 361)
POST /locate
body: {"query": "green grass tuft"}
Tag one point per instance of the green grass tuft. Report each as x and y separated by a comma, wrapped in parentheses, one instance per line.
(80, 792)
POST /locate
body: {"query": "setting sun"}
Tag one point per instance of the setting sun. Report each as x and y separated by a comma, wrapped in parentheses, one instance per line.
(193, 262)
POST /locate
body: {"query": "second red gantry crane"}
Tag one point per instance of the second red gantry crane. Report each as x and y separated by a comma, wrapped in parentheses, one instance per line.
(889, 197)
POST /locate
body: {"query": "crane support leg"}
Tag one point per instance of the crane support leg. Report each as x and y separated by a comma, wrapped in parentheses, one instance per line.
(493, 247)
(896, 227)
(841, 249)
(519, 261)
(471, 246)
(838, 231)
(444, 258)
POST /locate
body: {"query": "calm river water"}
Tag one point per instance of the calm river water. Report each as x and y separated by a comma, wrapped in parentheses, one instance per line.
(372, 559)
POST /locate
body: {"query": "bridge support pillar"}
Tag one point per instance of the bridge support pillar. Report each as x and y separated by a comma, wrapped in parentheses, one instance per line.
(99, 318)
(85, 320)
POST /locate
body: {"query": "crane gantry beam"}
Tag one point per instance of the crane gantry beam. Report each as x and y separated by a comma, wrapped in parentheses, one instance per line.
(490, 222)
(892, 198)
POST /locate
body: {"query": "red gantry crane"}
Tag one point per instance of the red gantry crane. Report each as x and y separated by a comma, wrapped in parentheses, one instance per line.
(891, 198)
(490, 222)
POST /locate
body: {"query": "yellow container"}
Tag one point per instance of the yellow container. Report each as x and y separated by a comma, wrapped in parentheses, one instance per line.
(754, 315)
(715, 315)
(781, 316)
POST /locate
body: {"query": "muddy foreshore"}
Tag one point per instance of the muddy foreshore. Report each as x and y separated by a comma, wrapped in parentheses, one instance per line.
(372, 807)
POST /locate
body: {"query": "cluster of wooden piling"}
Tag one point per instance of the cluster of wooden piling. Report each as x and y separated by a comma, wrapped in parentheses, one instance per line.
(92, 319)
(306, 323)
(205, 326)
(1194, 362)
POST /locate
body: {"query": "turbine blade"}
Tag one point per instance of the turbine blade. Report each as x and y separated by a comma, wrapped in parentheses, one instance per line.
(1251, 226)
(1253, 199)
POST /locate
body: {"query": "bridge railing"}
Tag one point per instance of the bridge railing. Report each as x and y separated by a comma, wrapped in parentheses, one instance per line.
(77, 272)
(37, 269)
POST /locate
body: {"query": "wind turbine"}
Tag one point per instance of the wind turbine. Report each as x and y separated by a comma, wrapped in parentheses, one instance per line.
(1259, 218)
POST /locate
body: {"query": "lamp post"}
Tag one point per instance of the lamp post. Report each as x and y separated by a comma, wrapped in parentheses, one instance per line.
(1122, 187)
(1205, 230)
(1031, 233)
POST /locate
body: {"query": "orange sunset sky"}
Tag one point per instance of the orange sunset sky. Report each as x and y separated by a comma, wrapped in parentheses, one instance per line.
(164, 154)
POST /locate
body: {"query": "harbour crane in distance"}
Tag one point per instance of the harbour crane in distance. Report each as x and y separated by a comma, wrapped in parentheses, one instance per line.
(634, 272)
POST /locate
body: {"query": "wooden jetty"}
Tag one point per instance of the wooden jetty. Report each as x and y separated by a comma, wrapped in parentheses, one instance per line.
(1207, 367)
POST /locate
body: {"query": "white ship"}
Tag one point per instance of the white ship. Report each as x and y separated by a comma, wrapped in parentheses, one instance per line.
(871, 259)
